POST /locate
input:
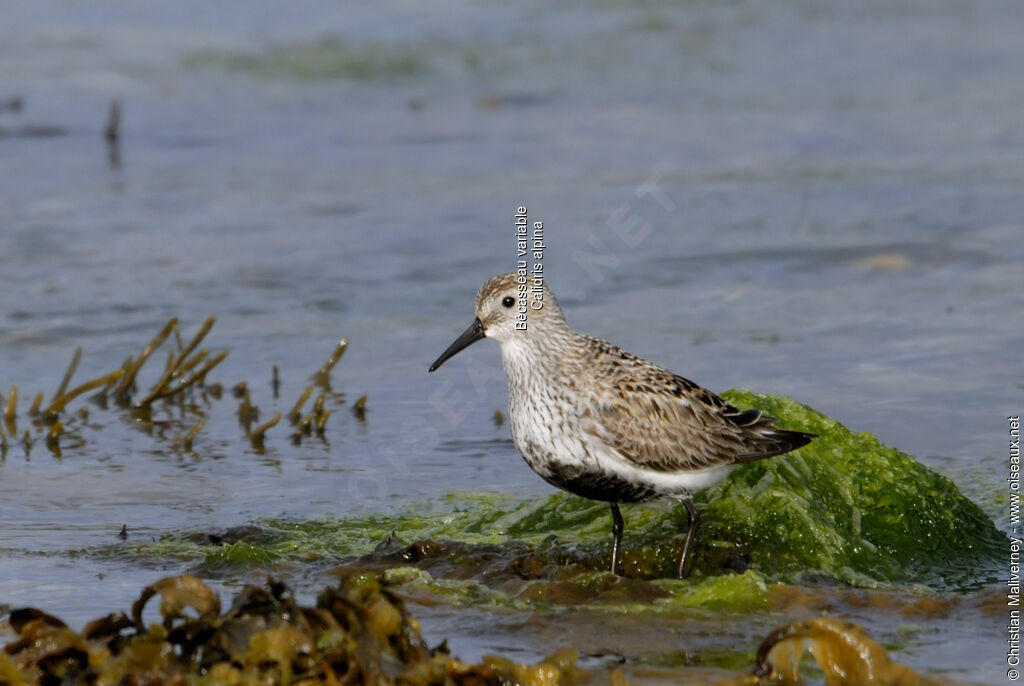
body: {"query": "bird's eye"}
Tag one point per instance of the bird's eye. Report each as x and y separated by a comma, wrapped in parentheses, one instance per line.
(508, 301)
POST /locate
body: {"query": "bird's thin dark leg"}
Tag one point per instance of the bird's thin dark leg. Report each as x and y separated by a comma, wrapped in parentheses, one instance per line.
(617, 527)
(691, 533)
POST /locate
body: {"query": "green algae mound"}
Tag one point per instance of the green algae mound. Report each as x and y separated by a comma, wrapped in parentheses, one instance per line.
(850, 508)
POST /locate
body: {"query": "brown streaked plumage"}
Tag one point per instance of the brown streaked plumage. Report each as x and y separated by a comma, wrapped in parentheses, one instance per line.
(644, 408)
(599, 422)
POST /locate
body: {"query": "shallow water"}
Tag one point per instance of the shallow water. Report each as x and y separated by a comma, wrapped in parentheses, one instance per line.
(837, 220)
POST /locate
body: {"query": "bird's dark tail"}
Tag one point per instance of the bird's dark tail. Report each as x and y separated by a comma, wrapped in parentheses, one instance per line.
(761, 438)
(775, 441)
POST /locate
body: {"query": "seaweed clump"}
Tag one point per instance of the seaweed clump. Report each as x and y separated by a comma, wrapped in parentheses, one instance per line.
(843, 651)
(358, 633)
(180, 396)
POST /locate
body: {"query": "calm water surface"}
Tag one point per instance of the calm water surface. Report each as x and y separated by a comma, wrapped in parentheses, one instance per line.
(837, 217)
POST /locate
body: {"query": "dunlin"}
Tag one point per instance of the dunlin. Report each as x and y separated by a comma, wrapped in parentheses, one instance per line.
(596, 421)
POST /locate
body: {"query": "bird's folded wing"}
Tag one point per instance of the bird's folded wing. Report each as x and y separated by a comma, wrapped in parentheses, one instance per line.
(679, 426)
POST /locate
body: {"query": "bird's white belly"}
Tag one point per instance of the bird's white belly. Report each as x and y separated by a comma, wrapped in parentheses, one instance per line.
(563, 455)
(677, 484)
(546, 442)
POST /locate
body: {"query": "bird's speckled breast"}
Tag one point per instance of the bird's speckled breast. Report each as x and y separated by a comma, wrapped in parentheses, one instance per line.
(544, 419)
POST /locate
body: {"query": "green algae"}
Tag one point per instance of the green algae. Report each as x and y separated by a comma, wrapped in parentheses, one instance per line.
(711, 597)
(330, 57)
(240, 553)
(747, 592)
(465, 592)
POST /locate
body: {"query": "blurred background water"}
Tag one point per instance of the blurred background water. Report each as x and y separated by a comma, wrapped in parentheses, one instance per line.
(816, 199)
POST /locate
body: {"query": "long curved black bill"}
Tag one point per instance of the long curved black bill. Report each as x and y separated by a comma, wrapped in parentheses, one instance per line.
(470, 336)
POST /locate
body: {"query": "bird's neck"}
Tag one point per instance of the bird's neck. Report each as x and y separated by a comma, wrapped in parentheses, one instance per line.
(526, 356)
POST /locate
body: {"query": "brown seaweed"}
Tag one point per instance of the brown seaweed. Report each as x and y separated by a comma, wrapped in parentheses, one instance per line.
(11, 408)
(323, 375)
(72, 368)
(296, 412)
(359, 409)
(843, 651)
(187, 439)
(58, 404)
(181, 390)
(359, 632)
(257, 434)
(122, 393)
(321, 422)
(53, 438)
